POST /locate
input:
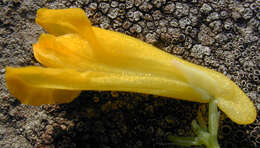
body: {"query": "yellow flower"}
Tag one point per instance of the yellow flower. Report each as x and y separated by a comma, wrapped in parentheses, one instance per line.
(82, 57)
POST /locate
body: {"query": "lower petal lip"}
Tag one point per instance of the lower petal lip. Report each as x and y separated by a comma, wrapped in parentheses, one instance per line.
(69, 79)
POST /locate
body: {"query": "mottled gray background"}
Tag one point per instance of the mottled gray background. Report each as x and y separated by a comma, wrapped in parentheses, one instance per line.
(219, 34)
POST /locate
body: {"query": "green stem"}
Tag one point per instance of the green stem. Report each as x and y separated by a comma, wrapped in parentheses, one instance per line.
(184, 141)
(213, 124)
(207, 136)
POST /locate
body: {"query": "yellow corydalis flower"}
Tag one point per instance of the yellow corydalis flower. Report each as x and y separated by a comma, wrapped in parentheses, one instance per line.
(83, 57)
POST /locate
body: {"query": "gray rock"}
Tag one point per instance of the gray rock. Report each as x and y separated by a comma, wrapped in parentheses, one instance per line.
(199, 51)
(222, 35)
(205, 8)
(184, 22)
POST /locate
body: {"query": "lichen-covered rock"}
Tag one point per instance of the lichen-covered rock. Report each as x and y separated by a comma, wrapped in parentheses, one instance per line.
(222, 35)
(198, 51)
(205, 35)
(205, 8)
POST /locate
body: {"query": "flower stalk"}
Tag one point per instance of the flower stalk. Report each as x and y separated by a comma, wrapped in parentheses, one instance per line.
(205, 136)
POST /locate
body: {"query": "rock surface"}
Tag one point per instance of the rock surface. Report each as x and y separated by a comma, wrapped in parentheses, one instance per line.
(222, 35)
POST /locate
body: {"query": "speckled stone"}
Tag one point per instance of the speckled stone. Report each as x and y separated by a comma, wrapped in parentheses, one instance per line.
(221, 35)
(146, 7)
(151, 38)
(136, 28)
(184, 22)
(205, 8)
(213, 16)
(104, 7)
(216, 26)
(169, 8)
(181, 9)
(113, 13)
(198, 51)
(204, 36)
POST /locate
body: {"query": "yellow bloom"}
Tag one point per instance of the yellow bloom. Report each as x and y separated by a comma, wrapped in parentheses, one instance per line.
(82, 57)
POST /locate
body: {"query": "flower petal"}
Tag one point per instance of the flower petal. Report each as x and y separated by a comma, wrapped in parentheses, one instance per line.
(66, 21)
(66, 51)
(208, 83)
(122, 53)
(32, 95)
(36, 78)
(132, 54)
(238, 106)
(114, 49)
(230, 98)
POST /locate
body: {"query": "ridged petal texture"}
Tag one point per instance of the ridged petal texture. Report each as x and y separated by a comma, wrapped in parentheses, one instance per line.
(82, 57)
